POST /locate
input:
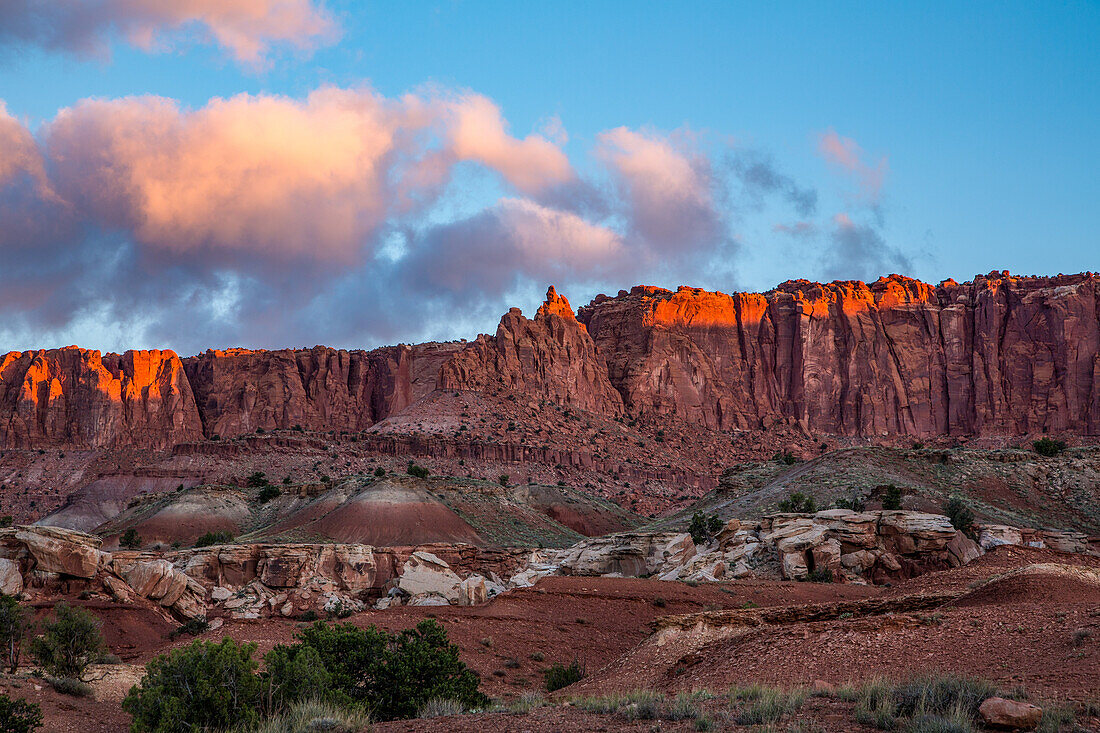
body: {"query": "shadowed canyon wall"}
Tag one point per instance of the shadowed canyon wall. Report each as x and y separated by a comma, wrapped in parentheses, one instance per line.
(1002, 355)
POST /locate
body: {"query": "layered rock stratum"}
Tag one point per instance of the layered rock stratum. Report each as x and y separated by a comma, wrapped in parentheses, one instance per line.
(998, 355)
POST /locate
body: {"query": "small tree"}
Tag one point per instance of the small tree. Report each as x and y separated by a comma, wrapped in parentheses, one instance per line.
(256, 479)
(1049, 447)
(19, 716)
(960, 515)
(891, 498)
(703, 527)
(559, 675)
(269, 492)
(418, 471)
(785, 457)
(13, 625)
(504, 478)
(204, 686)
(393, 675)
(380, 472)
(291, 674)
(856, 503)
(214, 538)
(798, 503)
(69, 643)
(130, 539)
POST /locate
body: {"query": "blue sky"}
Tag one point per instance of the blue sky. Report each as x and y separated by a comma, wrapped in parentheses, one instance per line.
(981, 118)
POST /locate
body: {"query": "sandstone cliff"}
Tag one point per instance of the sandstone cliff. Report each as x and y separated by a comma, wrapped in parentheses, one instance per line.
(550, 356)
(999, 355)
(78, 397)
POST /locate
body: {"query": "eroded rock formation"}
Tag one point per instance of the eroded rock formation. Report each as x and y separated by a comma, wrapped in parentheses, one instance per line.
(1001, 355)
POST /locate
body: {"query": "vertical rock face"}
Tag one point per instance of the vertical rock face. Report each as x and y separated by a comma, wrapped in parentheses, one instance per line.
(240, 390)
(551, 356)
(77, 397)
(1000, 355)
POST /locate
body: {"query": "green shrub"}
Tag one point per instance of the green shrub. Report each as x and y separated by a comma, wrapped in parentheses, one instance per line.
(256, 480)
(19, 716)
(504, 478)
(380, 472)
(214, 538)
(292, 674)
(703, 527)
(821, 575)
(206, 685)
(130, 539)
(798, 503)
(418, 471)
(69, 686)
(960, 515)
(559, 675)
(785, 457)
(1049, 447)
(891, 497)
(855, 503)
(392, 675)
(69, 643)
(269, 492)
(13, 626)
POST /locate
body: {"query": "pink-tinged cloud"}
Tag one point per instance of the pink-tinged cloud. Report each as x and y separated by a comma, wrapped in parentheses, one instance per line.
(670, 190)
(846, 154)
(479, 133)
(267, 175)
(245, 28)
(18, 151)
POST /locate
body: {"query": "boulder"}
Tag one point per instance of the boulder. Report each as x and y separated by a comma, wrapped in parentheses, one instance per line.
(11, 580)
(910, 532)
(63, 551)
(158, 581)
(997, 712)
(472, 591)
(631, 554)
(1065, 540)
(858, 561)
(854, 530)
(425, 574)
(285, 566)
(826, 556)
(961, 549)
(995, 535)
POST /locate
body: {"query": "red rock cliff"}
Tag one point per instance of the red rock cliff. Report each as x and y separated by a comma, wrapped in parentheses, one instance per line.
(77, 397)
(551, 356)
(1000, 355)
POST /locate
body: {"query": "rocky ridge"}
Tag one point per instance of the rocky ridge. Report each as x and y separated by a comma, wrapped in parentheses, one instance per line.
(249, 581)
(1000, 355)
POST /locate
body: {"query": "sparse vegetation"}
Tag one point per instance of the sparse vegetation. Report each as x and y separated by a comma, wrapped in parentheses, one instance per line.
(960, 515)
(391, 674)
(891, 497)
(206, 685)
(785, 457)
(798, 503)
(704, 527)
(69, 686)
(312, 716)
(13, 626)
(439, 707)
(503, 479)
(69, 643)
(1049, 447)
(269, 492)
(855, 503)
(214, 538)
(192, 627)
(417, 471)
(130, 539)
(935, 703)
(19, 716)
(560, 675)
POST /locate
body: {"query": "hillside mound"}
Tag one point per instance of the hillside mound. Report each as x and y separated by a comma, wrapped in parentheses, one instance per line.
(1041, 583)
(394, 510)
(1011, 486)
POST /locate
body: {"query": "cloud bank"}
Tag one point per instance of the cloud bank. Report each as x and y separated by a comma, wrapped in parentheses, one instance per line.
(350, 218)
(246, 29)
